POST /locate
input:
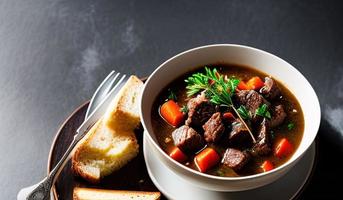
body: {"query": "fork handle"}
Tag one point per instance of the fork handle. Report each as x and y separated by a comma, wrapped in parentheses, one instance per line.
(42, 191)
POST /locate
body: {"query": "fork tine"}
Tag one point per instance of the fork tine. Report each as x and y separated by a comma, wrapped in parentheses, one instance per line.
(117, 87)
(111, 83)
(118, 84)
(107, 84)
(106, 88)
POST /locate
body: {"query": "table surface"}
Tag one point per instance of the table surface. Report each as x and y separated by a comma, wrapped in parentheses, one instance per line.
(53, 55)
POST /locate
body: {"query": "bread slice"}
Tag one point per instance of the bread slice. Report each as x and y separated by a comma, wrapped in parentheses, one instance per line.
(93, 163)
(123, 113)
(99, 194)
(107, 147)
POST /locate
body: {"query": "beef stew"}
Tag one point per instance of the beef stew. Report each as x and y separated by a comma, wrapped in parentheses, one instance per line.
(228, 120)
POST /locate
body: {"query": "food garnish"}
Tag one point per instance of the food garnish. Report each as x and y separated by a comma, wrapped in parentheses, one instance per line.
(290, 126)
(263, 111)
(172, 95)
(218, 89)
(184, 109)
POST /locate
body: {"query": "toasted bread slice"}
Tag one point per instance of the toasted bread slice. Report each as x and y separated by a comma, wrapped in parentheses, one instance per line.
(99, 194)
(123, 113)
(92, 164)
(106, 149)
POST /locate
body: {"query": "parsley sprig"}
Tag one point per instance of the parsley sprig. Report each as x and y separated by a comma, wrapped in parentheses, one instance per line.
(245, 114)
(218, 89)
(263, 111)
(172, 95)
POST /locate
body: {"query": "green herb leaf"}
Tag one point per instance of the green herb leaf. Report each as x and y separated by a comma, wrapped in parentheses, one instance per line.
(172, 95)
(263, 111)
(196, 83)
(184, 109)
(290, 126)
(219, 90)
(243, 112)
(233, 85)
(267, 114)
(208, 94)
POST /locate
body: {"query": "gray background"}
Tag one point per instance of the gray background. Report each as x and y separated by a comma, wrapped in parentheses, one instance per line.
(53, 54)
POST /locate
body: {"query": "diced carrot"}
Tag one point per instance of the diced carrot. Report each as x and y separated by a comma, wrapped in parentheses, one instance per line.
(284, 148)
(255, 83)
(178, 155)
(170, 112)
(206, 159)
(228, 116)
(267, 166)
(242, 86)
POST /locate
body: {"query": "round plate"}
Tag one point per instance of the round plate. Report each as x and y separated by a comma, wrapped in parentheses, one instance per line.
(287, 187)
(133, 176)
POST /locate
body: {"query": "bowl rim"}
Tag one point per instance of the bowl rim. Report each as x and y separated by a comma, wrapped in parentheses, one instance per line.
(220, 178)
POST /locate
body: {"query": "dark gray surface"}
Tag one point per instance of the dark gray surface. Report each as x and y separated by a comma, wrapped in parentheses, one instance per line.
(53, 54)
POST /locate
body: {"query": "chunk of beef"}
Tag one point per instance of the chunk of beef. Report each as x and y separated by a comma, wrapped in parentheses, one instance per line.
(199, 111)
(270, 89)
(213, 128)
(239, 135)
(278, 116)
(187, 139)
(262, 145)
(252, 100)
(241, 96)
(235, 159)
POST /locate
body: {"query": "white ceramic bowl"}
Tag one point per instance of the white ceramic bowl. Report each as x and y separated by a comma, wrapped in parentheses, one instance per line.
(236, 54)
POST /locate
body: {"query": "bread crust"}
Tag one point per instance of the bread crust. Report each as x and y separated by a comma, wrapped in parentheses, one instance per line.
(76, 165)
(77, 170)
(97, 192)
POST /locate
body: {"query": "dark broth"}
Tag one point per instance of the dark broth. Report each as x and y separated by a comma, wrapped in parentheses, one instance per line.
(163, 130)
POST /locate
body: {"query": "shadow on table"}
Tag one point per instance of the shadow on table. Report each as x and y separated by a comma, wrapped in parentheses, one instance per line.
(325, 183)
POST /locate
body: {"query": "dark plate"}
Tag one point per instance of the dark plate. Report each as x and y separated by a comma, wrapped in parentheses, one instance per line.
(133, 176)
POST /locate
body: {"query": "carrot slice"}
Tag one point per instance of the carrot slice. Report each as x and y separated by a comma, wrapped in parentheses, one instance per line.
(242, 86)
(171, 113)
(178, 155)
(255, 83)
(228, 116)
(206, 159)
(284, 148)
(267, 166)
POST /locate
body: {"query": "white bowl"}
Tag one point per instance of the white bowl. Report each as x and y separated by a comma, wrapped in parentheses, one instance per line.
(235, 54)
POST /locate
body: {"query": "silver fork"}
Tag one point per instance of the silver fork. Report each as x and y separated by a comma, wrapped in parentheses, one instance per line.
(112, 80)
(41, 191)
(100, 93)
